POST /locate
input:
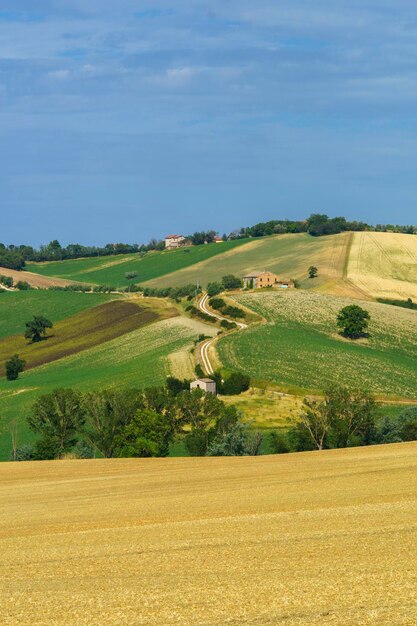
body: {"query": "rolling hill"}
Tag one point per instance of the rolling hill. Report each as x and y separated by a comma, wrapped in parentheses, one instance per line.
(111, 270)
(363, 265)
(138, 358)
(384, 265)
(299, 345)
(313, 538)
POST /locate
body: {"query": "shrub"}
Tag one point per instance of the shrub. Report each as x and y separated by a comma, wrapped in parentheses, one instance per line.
(217, 303)
(235, 384)
(213, 289)
(233, 311)
(231, 282)
(6, 280)
(83, 450)
(196, 442)
(23, 285)
(228, 325)
(23, 453)
(278, 442)
(14, 366)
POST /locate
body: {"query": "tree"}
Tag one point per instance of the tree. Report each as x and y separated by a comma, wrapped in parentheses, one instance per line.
(130, 276)
(148, 434)
(36, 328)
(14, 366)
(22, 285)
(106, 413)
(231, 282)
(344, 417)
(312, 271)
(57, 417)
(213, 289)
(235, 384)
(353, 321)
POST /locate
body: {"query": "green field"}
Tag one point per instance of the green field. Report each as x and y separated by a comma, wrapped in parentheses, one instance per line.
(136, 359)
(82, 331)
(17, 307)
(111, 270)
(299, 347)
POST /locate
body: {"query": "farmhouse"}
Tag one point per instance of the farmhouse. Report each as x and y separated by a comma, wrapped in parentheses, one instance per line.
(206, 384)
(218, 240)
(258, 280)
(173, 241)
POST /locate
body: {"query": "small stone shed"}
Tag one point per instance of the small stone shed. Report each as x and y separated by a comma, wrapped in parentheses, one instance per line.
(206, 384)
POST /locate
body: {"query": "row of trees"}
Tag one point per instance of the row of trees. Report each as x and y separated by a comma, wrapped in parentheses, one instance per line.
(345, 417)
(135, 423)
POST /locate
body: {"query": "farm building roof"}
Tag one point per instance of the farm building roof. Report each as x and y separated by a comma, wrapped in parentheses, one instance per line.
(174, 236)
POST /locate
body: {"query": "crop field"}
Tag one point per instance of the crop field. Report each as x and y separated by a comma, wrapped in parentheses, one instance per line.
(384, 264)
(312, 538)
(288, 255)
(111, 270)
(299, 345)
(18, 307)
(80, 332)
(35, 280)
(140, 358)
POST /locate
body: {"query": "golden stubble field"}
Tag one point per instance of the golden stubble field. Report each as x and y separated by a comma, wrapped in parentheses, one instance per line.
(313, 538)
(384, 265)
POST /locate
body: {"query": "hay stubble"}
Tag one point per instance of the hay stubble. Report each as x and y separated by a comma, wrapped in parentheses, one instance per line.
(314, 538)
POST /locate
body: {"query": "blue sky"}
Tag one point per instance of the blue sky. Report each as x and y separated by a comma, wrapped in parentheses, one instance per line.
(124, 120)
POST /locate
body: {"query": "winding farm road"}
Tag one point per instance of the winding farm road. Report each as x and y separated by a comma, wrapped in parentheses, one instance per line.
(202, 305)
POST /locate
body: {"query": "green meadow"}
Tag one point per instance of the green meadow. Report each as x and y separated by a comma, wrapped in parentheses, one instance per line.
(17, 307)
(111, 270)
(135, 359)
(298, 347)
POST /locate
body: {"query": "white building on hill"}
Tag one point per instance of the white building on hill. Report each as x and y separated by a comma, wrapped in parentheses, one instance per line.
(173, 241)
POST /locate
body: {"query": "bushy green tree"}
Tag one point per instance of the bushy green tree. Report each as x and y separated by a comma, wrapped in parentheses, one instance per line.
(36, 328)
(230, 282)
(106, 413)
(235, 384)
(213, 289)
(353, 321)
(312, 271)
(148, 434)
(57, 418)
(14, 366)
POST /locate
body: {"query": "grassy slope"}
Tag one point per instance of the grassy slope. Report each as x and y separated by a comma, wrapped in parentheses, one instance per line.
(315, 538)
(300, 346)
(82, 331)
(18, 307)
(384, 264)
(288, 255)
(136, 359)
(111, 270)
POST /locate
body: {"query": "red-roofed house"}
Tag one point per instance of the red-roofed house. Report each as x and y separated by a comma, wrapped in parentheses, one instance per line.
(173, 241)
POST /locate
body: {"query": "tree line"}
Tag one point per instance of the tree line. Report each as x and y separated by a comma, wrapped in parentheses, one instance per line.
(318, 224)
(136, 423)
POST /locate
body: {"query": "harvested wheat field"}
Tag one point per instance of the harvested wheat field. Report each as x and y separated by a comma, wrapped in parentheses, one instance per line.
(312, 538)
(384, 265)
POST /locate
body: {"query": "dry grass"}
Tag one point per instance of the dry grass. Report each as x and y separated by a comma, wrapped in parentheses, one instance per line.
(315, 538)
(288, 255)
(266, 407)
(35, 280)
(384, 264)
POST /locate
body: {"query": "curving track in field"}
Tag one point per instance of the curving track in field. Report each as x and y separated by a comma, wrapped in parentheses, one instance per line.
(205, 347)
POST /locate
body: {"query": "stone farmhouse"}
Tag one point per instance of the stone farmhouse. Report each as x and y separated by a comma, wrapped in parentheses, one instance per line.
(206, 384)
(174, 241)
(259, 280)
